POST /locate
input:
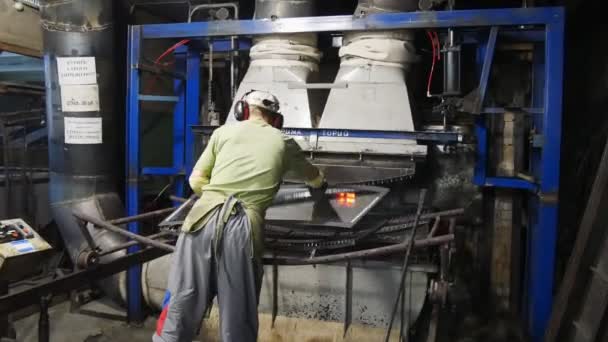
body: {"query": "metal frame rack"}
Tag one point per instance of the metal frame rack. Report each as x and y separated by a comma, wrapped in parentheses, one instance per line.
(544, 27)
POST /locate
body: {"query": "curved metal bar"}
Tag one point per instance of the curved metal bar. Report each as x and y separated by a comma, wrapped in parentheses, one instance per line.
(367, 253)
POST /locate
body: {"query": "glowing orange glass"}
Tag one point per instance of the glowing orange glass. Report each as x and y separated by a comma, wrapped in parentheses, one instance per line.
(347, 199)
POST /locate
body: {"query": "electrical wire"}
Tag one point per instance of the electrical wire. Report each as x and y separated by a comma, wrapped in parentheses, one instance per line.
(160, 57)
(434, 38)
(171, 49)
(437, 45)
(428, 83)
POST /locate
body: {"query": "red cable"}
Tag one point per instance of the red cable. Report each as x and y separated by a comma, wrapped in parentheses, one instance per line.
(163, 55)
(438, 45)
(171, 49)
(428, 85)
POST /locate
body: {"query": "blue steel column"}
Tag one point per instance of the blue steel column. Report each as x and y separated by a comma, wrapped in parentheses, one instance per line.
(543, 237)
(481, 131)
(192, 105)
(179, 120)
(134, 295)
(481, 154)
(538, 101)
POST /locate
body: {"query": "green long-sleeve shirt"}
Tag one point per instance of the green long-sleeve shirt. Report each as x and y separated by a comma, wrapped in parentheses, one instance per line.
(246, 159)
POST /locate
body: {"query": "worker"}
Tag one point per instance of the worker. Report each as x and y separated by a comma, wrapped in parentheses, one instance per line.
(220, 249)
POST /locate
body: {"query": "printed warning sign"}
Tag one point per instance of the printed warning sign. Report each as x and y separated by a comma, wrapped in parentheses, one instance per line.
(80, 98)
(82, 130)
(76, 70)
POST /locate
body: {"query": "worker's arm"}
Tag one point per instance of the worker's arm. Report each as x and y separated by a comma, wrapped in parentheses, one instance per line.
(201, 173)
(297, 164)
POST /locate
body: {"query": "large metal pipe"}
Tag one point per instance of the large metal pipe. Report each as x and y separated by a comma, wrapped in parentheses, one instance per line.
(451, 65)
(284, 8)
(373, 64)
(379, 6)
(82, 120)
(281, 60)
(107, 226)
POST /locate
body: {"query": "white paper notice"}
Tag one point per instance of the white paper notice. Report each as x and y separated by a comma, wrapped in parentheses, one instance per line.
(76, 70)
(82, 130)
(80, 98)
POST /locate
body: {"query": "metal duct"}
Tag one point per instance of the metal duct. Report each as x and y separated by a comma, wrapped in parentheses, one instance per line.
(373, 96)
(283, 63)
(284, 8)
(373, 66)
(79, 65)
(378, 6)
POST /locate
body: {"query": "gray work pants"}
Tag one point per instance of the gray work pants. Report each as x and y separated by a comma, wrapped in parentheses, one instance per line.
(202, 269)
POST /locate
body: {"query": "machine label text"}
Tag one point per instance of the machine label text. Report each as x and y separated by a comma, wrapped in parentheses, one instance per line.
(76, 70)
(83, 130)
(80, 98)
(335, 133)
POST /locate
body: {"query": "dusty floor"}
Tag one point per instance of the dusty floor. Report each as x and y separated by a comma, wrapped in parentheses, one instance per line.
(74, 327)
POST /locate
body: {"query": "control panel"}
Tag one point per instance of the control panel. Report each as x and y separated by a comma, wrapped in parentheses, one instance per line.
(21, 248)
(15, 230)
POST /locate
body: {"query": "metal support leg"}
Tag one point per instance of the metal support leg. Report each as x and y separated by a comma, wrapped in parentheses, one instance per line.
(4, 322)
(348, 300)
(193, 61)
(275, 292)
(5, 163)
(543, 235)
(179, 120)
(134, 295)
(43, 321)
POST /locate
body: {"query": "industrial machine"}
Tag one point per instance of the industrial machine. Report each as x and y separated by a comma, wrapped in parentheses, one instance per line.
(369, 92)
(356, 129)
(399, 94)
(362, 126)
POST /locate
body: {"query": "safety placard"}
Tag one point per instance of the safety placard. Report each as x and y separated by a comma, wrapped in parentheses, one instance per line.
(80, 98)
(76, 70)
(82, 130)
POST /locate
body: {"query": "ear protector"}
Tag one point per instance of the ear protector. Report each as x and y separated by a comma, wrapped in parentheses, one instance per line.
(241, 112)
(277, 122)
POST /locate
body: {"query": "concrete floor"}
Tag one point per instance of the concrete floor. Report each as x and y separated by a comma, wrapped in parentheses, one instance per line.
(74, 327)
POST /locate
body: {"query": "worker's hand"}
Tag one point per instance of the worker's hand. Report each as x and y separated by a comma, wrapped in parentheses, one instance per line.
(318, 193)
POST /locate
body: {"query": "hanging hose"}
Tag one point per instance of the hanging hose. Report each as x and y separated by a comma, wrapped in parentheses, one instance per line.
(434, 38)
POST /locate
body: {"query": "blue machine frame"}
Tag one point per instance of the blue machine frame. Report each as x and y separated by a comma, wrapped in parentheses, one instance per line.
(542, 26)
